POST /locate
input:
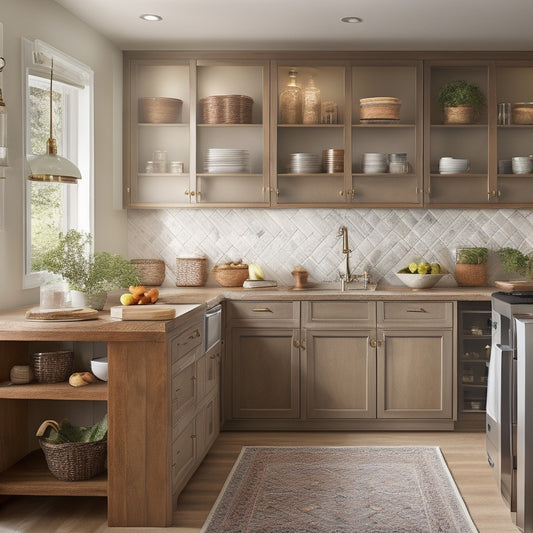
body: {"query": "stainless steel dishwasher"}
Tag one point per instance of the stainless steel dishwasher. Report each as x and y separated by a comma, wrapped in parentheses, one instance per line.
(212, 326)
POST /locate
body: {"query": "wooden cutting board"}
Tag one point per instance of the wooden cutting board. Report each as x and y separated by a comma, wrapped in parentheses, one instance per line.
(62, 315)
(519, 285)
(143, 312)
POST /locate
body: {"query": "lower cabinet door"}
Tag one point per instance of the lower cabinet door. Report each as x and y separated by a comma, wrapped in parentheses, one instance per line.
(183, 454)
(265, 373)
(341, 374)
(415, 374)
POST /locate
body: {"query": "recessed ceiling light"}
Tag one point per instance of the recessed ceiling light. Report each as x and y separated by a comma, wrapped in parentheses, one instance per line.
(151, 17)
(351, 20)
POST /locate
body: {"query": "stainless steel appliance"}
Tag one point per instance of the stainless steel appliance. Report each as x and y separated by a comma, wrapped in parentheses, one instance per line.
(504, 401)
(213, 326)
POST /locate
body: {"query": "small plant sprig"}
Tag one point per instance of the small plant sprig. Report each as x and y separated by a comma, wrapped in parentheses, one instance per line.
(72, 258)
(514, 261)
(472, 256)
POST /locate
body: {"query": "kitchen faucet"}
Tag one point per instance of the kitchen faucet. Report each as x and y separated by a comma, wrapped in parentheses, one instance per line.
(347, 277)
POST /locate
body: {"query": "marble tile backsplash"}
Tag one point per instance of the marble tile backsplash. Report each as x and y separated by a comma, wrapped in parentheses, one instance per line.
(382, 240)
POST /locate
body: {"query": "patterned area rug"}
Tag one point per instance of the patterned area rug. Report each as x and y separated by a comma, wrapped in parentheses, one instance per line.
(339, 490)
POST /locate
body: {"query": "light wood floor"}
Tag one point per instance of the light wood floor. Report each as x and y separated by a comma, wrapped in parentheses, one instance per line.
(464, 453)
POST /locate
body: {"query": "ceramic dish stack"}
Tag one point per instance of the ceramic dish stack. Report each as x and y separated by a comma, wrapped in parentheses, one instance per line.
(375, 163)
(333, 160)
(505, 166)
(302, 163)
(522, 165)
(451, 165)
(227, 160)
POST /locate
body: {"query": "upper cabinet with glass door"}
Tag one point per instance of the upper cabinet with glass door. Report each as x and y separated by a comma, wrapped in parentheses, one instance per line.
(308, 135)
(514, 94)
(386, 134)
(457, 141)
(157, 133)
(232, 117)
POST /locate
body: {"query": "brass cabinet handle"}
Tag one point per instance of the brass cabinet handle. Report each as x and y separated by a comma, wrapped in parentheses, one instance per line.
(341, 193)
(302, 345)
(187, 192)
(262, 310)
(296, 343)
(192, 193)
(373, 343)
(415, 310)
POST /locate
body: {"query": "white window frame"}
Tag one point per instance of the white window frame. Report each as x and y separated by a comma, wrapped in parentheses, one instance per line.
(77, 83)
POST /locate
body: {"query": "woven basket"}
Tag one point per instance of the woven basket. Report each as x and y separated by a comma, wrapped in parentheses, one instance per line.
(522, 113)
(462, 114)
(191, 271)
(384, 108)
(468, 275)
(150, 271)
(227, 109)
(230, 276)
(75, 461)
(161, 110)
(52, 367)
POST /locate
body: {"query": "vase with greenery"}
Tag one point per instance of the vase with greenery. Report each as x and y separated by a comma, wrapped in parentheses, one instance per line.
(471, 266)
(461, 101)
(516, 262)
(91, 273)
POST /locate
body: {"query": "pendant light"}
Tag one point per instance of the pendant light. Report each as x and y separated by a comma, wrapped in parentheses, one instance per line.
(50, 166)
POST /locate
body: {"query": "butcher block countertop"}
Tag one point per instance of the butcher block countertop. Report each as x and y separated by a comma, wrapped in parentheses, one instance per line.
(194, 300)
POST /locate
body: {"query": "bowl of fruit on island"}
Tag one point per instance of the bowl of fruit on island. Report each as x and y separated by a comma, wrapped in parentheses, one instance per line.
(421, 275)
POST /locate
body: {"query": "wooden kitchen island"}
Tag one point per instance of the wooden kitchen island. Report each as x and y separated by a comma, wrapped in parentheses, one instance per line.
(145, 470)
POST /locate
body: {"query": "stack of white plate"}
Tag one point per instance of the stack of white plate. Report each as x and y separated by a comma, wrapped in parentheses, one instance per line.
(227, 160)
(451, 165)
(301, 163)
(375, 163)
(522, 165)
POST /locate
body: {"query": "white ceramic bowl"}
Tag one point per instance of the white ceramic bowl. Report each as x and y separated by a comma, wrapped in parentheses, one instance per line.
(419, 281)
(99, 368)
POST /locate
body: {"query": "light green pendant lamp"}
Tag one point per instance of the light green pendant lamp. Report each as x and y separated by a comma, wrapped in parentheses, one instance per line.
(51, 167)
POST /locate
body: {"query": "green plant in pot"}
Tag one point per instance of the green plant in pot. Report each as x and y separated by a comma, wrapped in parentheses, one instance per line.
(471, 266)
(88, 272)
(461, 101)
(516, 262)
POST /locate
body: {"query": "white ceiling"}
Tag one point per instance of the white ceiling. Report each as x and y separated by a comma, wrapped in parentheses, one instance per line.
(312, 24)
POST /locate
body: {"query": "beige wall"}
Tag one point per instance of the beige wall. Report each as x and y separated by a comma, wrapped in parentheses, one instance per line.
(46, 20)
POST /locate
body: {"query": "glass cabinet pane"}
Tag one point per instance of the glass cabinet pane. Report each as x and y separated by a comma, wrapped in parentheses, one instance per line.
(160, 134)
(385, 130)
(514, 87)
(457, 155)
(232, 117)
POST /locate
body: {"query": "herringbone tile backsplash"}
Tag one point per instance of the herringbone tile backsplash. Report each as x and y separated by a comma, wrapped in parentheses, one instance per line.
(382, 240)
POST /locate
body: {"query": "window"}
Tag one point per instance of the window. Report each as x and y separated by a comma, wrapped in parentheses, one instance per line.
(51, 208)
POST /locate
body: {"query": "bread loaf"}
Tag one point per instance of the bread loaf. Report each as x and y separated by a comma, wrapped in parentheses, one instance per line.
(79, 379)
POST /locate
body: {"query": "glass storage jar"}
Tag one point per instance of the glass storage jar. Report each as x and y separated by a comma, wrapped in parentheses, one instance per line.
(290, 102)
(311, 103)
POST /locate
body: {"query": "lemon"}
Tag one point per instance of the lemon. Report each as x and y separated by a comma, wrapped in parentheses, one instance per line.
(435, 268)
(255, 272)
(423, 268)
(413, 267)
(127, 299)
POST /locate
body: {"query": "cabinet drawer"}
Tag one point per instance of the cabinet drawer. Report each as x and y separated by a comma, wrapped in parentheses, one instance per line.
(267, 311)
(184, 390)
(183, 454)
(416, 314)
(189, 338)
(341, 314)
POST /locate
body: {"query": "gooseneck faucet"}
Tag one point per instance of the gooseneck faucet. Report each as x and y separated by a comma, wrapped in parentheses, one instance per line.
(347, 277)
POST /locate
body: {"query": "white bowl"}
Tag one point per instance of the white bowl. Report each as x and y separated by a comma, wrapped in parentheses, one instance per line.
(419, 281)
(99, 368)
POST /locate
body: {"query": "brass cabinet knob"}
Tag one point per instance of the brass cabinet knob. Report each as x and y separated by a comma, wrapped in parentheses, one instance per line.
(373, 343)
(341, 193)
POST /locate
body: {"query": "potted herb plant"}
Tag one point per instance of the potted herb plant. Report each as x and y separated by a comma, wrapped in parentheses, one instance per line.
(88, 272)
(516, 262)
(461, 101)
(471, 266)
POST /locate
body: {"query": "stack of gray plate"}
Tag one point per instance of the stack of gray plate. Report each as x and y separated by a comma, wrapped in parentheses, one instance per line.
(452, 165)
(301, 163)
(522, 165)
(227, 160)
(375, 163)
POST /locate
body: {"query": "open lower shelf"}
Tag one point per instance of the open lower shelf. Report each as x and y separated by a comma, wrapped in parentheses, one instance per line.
(54, 391)
(31, 477)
